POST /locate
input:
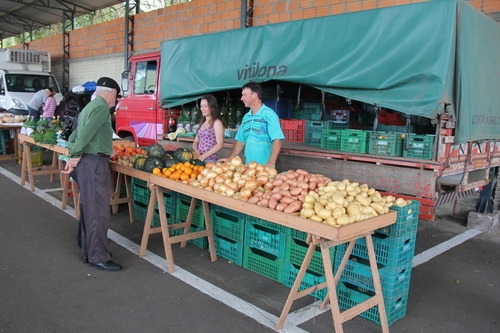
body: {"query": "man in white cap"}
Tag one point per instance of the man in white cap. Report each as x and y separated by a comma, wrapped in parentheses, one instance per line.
(90, 147)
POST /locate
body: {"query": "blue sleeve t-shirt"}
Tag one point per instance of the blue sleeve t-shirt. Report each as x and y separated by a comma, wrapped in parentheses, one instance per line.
(258, 132)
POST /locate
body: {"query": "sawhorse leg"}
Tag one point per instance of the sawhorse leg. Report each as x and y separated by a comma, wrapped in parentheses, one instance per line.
(157, 197)
(331, 282)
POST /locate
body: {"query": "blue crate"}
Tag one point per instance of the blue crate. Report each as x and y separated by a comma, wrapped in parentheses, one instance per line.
(389, 251)
(290, 272)
(406, 222)
(228, 223)
(394, 280)
(282, 107)
(229, 249)
(266, 236)
(139, 182)
(350, 296)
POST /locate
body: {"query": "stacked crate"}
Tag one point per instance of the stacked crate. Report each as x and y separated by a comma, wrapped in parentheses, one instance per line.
(386, 144)
(265, 245)
(294, 130)
(394, 250)
(229, 233)
(296, 250)
(314, 130)
(141, 195)
(355, 141)
(419, 146)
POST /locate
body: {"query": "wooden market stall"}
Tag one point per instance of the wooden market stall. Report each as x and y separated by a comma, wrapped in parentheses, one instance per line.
(319, 234)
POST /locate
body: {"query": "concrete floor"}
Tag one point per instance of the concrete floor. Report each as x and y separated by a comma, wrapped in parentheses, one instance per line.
(45, 287)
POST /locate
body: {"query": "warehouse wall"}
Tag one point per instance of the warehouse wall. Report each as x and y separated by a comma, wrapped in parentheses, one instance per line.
(98, 50)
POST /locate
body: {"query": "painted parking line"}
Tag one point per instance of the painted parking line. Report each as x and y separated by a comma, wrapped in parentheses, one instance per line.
(443, 247)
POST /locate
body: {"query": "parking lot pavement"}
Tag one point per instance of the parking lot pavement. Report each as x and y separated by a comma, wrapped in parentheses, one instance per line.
(45, 287)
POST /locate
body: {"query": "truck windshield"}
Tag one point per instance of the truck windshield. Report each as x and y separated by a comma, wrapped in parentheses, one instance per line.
(29, 82)
(145, 77)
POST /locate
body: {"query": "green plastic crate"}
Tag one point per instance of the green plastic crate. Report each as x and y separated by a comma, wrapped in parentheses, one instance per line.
(331, 139)
(296, 250)
(290, 272)
(143, 194)
(350, 296)
(355, 141)
(228, 223)
(182, 210)
(141, 211)
(419, 146)
(266, 236)
(386, 144)
(263, 263)
(201, 242)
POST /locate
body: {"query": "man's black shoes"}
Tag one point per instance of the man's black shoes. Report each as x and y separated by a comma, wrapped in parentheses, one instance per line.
(108, 266)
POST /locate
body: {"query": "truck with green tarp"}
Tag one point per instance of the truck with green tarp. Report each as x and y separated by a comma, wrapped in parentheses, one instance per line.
(437, 60)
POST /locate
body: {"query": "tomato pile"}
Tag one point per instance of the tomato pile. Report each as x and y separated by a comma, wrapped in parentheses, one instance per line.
(126, 155)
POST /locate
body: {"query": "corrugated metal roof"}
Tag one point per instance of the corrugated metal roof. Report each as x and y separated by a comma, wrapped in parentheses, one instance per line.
(17, 16)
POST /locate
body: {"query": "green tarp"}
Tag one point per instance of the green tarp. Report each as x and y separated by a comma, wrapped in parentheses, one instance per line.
(413, 58)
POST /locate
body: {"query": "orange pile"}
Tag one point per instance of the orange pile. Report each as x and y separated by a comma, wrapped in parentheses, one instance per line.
(180, 171)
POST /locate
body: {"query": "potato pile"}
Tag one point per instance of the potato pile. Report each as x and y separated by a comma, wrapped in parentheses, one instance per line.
(341, 202)
(260, 185)
(297, 192)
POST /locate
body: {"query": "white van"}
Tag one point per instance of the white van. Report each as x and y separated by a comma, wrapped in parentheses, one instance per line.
(22, 74)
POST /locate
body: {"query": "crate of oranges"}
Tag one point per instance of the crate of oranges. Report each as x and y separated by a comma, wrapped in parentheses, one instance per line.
(182, 171)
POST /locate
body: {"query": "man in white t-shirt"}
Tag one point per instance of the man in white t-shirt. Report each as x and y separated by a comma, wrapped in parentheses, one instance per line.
(36, 102)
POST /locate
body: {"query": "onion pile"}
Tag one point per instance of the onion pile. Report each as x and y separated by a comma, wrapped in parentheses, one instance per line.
(234, 179)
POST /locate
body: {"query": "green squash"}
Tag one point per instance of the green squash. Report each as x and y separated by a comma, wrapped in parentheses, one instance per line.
(184, 154)
(151, 163)
(170, 160)
(197, 162)
(156, 150)
(139, 162)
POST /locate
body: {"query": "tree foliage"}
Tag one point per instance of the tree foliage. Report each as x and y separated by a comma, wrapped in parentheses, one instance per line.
(99, 16)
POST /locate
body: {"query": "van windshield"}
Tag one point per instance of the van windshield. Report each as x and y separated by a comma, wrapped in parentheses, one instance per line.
(29, 82)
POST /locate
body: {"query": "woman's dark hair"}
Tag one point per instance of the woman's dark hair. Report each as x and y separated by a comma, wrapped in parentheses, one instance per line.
(255, 87)
(214, 108)
(51, 90)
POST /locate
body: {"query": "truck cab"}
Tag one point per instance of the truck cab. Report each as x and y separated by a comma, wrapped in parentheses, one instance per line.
(22, 74)
(139, 114)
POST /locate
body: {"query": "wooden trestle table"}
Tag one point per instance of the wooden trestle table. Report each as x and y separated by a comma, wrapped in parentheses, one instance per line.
(318, 234)
(16, 127)
(55, 169)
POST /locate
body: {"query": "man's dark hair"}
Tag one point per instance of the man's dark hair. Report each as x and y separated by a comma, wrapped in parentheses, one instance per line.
(255, 87)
